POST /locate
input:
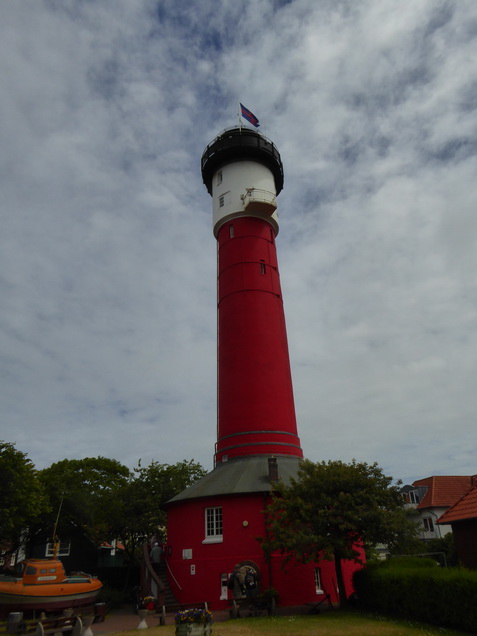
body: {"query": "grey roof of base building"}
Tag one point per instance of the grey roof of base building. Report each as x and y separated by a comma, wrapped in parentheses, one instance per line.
(240, 476)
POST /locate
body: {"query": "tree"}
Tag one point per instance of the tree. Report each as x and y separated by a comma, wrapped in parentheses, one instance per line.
(22, 498)
(107, 501)
(86, 490)
(139, 512)
(444, 549)
(331, 510)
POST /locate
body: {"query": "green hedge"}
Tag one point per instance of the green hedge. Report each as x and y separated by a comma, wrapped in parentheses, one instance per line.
(445, 597)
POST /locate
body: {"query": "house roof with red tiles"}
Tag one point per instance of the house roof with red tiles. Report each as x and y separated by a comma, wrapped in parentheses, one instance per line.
(465, 508)
(443, 490)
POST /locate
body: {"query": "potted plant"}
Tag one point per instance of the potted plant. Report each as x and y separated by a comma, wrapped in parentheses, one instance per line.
(146, 605)
(193, 622)
(149, 603)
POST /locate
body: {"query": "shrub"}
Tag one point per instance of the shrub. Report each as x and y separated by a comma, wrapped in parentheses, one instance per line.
(407, 562)
(441, 596)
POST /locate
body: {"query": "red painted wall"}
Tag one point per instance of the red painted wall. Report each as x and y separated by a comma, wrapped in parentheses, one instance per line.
(186, 528)
(256, 411)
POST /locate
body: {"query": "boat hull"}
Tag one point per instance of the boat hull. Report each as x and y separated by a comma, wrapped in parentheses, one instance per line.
(56, 596)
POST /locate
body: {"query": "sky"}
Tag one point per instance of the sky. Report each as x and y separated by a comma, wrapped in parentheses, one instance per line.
(107, 257)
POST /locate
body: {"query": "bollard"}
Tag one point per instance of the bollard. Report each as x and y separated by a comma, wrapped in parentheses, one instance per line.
(14, 622)
(142, 614)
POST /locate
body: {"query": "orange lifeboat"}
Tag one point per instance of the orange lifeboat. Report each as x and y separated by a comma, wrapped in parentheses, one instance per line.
(41, 584)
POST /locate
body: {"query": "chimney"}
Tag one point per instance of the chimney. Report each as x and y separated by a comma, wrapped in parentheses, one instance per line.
(272, 469)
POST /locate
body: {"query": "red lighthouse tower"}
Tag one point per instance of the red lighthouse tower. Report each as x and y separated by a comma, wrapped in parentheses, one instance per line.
(243, 173)
(218, 522)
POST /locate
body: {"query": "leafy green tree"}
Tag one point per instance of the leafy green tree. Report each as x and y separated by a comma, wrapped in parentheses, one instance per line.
(108, 501)
(445, 550)
(139, 514)
(331, 510)
(22, 498)
(136, 511)
(408, 543)
(442, 550)
(105, 500)
(85, 490)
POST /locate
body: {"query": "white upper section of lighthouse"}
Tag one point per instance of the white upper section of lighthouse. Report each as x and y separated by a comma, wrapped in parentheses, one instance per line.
(243, 172)
(244, 188)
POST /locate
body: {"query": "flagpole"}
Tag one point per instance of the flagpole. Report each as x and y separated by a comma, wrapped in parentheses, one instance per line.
(238, 115)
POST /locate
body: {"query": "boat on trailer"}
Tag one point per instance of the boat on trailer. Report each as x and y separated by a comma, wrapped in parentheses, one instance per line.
(42, 584)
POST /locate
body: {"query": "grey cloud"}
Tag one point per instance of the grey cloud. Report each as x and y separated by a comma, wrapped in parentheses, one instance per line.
(107, 258)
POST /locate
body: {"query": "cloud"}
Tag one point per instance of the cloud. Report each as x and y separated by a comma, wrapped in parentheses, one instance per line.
(107, 259)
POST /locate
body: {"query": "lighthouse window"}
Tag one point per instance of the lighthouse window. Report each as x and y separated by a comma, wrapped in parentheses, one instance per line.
(221, 201)
(318, 587)
(231, 231)
(213, 525)
(219, 177)
(262, 268)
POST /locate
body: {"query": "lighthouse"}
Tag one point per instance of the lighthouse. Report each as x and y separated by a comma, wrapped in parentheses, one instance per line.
(218, 523)
(243, 173)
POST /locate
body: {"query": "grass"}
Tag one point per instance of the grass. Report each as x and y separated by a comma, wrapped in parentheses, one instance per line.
(336, 623)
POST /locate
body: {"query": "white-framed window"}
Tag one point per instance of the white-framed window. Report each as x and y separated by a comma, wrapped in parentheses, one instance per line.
(213, 525)
(63, 549)
(428, 524)
(413, 497)
(318, 588)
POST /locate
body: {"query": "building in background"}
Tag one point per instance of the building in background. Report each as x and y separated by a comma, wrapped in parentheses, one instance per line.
(430, 498)
(462, 517)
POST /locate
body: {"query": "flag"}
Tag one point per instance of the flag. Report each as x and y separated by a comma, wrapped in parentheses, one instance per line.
(249, 116)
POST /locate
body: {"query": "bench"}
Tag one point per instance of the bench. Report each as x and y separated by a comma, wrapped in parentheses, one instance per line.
(255, 606)
(178, 607)
(16, 624)
(58, 625)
